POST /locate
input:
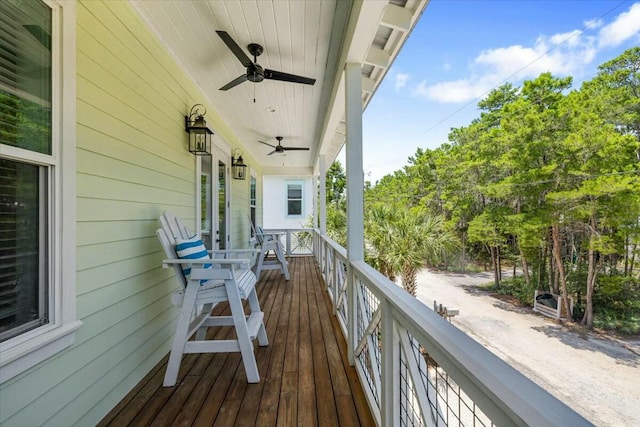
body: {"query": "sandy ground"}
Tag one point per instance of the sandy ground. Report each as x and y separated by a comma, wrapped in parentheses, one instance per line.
(596, 376)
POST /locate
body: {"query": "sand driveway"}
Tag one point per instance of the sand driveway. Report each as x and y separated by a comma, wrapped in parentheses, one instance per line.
(596, 376)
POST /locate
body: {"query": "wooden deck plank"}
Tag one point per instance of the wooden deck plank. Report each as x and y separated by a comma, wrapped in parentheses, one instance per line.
(144, 410)
(330, 323)
(147, 386)
(269, 402)
(327, 412)
(273, 313)
(307, 407)
(291, 355)
(305, 379)
(230, 409)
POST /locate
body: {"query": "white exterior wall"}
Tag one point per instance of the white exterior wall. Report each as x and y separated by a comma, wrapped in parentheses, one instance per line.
(274, 202)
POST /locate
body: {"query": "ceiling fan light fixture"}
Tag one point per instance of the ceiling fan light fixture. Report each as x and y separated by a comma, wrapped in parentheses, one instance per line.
(255, 73)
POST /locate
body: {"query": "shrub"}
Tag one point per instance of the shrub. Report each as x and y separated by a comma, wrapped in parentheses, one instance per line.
(616, 304)
(516, 287)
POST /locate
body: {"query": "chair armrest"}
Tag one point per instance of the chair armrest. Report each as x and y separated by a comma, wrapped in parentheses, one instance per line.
(249, 252)
(166, 263)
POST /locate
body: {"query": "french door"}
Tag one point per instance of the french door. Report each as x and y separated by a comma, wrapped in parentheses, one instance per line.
(214, 199)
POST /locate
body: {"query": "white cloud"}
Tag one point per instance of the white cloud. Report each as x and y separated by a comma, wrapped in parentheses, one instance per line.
(456, 91)
(571, 38)
(625, 26)
(401, 80)
(561, 54)
(566, 53)
(592, 24)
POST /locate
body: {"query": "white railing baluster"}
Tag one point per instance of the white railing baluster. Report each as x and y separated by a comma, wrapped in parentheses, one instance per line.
(351, 314)
(390, 393)
(337, 288)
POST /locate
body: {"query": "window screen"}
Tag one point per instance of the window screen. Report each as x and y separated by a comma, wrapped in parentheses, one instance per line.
(25, 123)
(294, 199)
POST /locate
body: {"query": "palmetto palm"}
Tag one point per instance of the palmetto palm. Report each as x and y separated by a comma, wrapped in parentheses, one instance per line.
(379, 236)
(404, 240)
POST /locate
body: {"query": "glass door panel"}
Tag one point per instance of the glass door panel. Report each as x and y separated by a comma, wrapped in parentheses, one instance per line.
(206, 200)
(223, 204)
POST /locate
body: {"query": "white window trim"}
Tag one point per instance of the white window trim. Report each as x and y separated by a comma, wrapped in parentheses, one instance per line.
(302, 190)
(26, 350)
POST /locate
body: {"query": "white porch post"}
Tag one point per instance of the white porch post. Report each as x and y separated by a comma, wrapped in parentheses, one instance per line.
(355, 191)
(322, 217)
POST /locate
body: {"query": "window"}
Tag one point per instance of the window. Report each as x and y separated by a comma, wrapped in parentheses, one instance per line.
(294, 198)
(252, 202)
(36, 116)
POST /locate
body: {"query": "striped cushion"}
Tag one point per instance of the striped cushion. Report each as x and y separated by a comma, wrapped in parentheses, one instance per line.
(191, 248)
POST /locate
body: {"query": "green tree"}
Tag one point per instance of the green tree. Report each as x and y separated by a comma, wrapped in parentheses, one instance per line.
(336, 182)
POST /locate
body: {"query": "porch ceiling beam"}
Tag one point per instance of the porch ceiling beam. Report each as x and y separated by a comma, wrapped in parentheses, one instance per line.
(378, 57)
(368, 85)
(397, 17)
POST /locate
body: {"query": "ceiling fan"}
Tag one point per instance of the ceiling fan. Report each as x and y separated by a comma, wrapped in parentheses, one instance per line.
(255, 73)
(280, 149)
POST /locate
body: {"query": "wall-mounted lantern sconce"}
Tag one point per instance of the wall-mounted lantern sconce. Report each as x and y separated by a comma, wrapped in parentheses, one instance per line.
(199, 134)
(238, 167)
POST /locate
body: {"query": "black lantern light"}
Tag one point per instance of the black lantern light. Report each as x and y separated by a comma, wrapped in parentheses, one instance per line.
(199, 133)
(237, 165)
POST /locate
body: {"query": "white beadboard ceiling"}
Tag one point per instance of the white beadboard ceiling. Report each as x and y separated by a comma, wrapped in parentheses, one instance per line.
(311, 38)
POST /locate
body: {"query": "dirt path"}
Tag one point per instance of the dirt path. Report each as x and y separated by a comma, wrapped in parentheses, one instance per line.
(597, 377)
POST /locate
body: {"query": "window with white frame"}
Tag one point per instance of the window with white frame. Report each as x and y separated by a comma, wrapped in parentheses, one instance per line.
(37, 295)
(294, 198)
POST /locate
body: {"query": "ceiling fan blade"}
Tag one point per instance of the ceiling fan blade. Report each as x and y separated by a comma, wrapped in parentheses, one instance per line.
(266, 143)
(271, 153)
(234, 82)
(285, 77)
(237, 50)
(296, 148)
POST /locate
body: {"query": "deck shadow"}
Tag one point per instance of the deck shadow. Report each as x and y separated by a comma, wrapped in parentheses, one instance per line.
(587, 341)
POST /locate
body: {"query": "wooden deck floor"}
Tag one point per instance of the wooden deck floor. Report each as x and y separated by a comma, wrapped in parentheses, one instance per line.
(305, 377)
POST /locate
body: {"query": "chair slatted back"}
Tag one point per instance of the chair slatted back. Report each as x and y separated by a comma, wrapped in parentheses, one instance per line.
(174, 226)
(168, 242)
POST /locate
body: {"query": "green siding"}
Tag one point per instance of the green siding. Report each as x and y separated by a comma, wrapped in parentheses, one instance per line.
(132, 164)
(240, 228)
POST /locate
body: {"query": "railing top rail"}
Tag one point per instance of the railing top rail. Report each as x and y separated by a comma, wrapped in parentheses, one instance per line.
(342, 252)
(291, 230)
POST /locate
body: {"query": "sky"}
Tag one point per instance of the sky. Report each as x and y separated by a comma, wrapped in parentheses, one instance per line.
(462, 49)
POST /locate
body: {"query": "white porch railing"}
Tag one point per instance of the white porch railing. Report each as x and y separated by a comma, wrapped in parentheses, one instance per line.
(416, 368)
(295, 241)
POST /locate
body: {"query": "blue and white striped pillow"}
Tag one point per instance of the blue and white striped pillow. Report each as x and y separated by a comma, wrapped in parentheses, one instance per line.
(191, 248)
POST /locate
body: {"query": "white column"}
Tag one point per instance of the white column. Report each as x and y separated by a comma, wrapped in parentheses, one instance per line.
(323, 195)
(355, 191)
(315, 217)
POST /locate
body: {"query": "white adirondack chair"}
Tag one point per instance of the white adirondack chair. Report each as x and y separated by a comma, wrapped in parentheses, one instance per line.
(229, 279)
(267, 242)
